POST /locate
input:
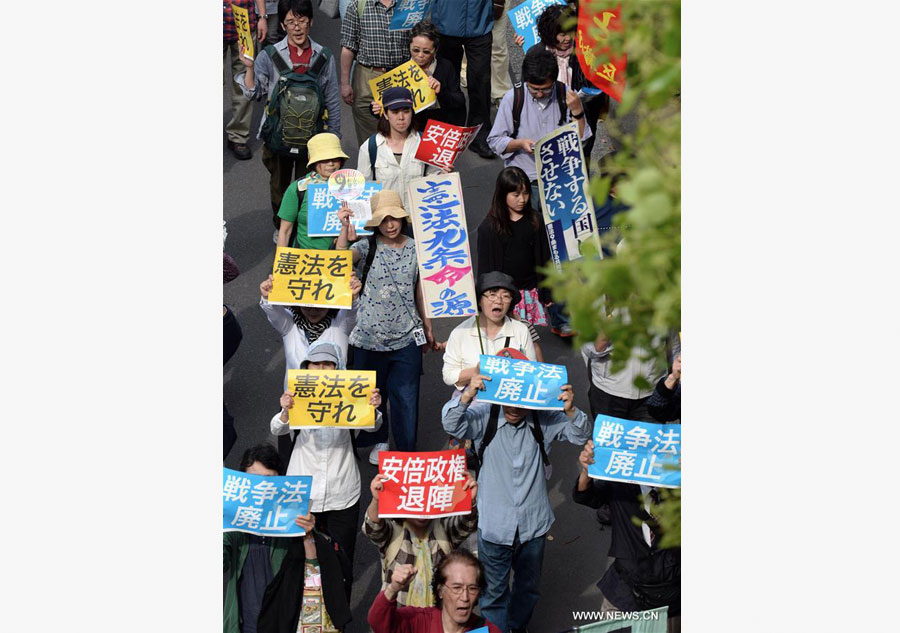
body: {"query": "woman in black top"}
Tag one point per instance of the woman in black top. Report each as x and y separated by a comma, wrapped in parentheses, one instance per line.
(513, 240)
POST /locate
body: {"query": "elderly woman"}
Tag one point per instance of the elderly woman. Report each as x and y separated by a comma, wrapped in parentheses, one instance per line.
(457, 583)
(495, 330)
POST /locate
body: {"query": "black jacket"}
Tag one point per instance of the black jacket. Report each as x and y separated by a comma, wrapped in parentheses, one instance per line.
(282, 602)
(491, 247)
(664, 404)
(641, 577)
(450, 98)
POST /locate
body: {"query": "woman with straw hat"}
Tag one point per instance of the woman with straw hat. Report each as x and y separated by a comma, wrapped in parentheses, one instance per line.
(390, 326)
(325, 158)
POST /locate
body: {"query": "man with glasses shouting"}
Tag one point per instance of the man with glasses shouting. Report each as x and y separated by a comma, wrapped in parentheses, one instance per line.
(278, 70)
(458, 581)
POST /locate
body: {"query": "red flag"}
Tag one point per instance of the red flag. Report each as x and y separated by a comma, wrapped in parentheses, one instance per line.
(602, 66)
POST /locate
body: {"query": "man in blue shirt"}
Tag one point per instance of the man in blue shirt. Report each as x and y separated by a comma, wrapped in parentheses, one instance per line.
(513, 505)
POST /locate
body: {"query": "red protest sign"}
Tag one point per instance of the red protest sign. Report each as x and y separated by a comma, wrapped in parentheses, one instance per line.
(441, 143)
(423, 485)
(601, 65)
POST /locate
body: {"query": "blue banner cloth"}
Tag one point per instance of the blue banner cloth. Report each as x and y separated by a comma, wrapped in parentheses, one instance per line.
(522, 383)
(408, 13)
(322, 209)
(266, 506)
(524, 20)
(636, 452)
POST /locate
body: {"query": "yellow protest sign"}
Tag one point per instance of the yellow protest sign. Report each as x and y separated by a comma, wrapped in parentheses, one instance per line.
(336, 398)
(311, 277)
(242, 24)
(409, 75)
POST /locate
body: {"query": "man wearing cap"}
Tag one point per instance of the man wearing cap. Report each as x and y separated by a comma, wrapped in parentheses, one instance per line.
(367, 38)
(513, 505)
(495, 330)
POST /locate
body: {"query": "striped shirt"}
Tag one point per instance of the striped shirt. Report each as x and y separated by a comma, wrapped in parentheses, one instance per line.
(456, 529)
(230, 31)
(369, 37)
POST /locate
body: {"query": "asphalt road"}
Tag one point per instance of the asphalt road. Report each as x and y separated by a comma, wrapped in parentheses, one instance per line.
(575, 555)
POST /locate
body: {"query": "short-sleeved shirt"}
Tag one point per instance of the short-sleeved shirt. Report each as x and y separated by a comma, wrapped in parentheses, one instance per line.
(291, 211)
(370, 37)
(387, 309)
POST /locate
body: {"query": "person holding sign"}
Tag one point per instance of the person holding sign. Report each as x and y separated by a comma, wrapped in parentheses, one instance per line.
(642, 576)
(301, 326)
(325, 158)
(512, 239)
(238, 128)
(487, 332)
(422, 543)
(251, 561)
(513, 506)
(389, 156)
(327, 454)
(366, 38)
(458, 580)
(390, 326)
(451, 102)
(292, 75)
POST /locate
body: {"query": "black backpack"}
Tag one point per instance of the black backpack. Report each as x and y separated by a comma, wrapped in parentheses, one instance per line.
(559, 89)
(296, 110)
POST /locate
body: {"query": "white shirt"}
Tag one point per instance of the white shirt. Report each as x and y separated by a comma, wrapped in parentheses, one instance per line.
(295, 343)
(463, 347)
(327, 455)
(388, 172)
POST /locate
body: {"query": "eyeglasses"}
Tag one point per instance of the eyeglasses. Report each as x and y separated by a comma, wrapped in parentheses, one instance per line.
(297, 24)
(539, 91)
(457, 590)
(423, 51)
(498, 295)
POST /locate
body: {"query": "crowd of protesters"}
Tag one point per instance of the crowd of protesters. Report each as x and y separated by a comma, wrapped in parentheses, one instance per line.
(429, 581)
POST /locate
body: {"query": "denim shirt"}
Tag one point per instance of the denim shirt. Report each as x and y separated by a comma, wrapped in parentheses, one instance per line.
(512, 488)
(265, 77)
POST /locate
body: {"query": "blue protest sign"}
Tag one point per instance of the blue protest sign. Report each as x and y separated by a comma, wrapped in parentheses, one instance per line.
(522, 383)
(408, 13)
(266, 506)
(524, 19)
(636, 452)
(322, 209)
(563, 186)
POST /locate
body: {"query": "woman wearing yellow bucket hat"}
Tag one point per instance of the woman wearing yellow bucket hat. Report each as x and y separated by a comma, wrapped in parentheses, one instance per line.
(325, 158)
(390, 323)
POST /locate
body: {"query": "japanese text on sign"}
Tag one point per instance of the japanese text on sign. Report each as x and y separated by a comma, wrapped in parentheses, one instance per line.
(242, 25)
(636, 452)
(563, 187)
(263, 505)
(310, 277)
(524, 19)
(336, 398)
(522, 383)
(442, 246)
(442, 143)
(322, 210)
(409, 75)
(423, 484)
(408, 13)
